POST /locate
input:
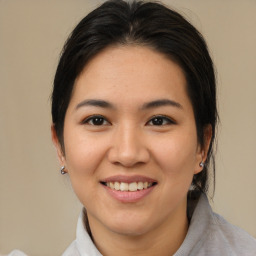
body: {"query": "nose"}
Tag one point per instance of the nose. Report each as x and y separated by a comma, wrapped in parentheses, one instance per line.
(128, 147)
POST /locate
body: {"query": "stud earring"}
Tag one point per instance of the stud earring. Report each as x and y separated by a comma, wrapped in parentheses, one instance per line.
(201, 164)
(62, 170)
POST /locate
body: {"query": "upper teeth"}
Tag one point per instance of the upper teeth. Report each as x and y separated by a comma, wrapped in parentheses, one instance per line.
(134, 186)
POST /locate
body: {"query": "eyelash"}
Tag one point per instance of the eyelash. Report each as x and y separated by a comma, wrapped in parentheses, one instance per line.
(165, 120)
(94, 118)
(161, 119)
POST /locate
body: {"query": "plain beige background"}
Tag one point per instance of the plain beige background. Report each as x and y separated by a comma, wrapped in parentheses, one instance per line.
(38, 210)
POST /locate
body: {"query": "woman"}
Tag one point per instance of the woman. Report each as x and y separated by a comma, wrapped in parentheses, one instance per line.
(134, 116)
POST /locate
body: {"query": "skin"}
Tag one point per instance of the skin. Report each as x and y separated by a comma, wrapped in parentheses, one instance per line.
(127, 142)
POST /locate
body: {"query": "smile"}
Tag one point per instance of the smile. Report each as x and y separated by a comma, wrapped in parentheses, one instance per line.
(132, 187)
(128, 189)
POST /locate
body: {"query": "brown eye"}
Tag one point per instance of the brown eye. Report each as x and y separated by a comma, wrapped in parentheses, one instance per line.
(157, 121)
(96, 120)
(160, 120)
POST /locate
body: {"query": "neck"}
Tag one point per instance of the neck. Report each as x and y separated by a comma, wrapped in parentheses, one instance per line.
(165, 239)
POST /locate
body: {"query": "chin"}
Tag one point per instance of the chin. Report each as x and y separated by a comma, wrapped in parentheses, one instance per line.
(129, 230)
(129, 226)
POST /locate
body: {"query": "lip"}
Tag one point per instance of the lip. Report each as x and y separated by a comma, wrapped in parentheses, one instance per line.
(128, 196)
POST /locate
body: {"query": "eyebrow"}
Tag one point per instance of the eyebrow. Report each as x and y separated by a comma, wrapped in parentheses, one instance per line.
(161, 103)
(95, 103)
(148, 105)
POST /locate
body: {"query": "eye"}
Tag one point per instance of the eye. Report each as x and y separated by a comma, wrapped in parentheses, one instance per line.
(160, 120)
(96, 120)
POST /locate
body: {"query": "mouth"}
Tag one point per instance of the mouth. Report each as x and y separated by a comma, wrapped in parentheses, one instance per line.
(131, 186)
(129, 189)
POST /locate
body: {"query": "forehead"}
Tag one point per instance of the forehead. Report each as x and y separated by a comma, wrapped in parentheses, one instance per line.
(132, 72)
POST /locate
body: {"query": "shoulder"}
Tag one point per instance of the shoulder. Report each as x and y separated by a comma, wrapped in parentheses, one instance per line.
(210, 234)
(220, 237)
(234, 238)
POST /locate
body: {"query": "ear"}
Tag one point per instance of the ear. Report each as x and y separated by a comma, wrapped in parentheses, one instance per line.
(57, 145)
(203, 149)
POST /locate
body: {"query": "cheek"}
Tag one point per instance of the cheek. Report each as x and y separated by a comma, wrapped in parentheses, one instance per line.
(177, 154)
(83, 154)
(82, 159)
(176, 157)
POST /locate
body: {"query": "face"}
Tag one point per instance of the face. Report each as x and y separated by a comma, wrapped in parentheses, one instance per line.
(131, 146)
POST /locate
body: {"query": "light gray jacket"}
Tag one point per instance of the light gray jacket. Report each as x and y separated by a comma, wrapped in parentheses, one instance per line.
(208, 235)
